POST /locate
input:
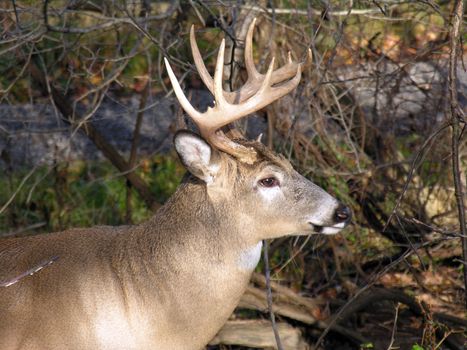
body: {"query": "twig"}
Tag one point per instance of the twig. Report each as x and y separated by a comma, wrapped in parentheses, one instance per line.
(29, 272)
(23, 229)
(19, 188)
(455, 116)
(134, 144)
(16, 14)
(109, 21)
(267, 273)
(198, 14)
(284, 11)
(5, 91)
(394, 328)
(413, 166)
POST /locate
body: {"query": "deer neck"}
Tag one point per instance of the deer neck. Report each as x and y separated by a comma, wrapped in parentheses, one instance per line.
(192, 227)
(208, 262)
(195, 214)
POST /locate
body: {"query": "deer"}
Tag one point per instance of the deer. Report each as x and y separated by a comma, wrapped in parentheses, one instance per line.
(173, 281)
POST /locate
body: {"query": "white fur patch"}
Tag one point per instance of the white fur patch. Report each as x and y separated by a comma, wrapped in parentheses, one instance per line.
(112, 330)
(249, 258)
(209, 179)
(270, 194)
(331, 230)
(213, 170)
(339, 225)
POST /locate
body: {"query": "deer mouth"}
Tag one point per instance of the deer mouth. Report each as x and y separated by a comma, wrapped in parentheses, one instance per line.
(341, 218)
(328, 230)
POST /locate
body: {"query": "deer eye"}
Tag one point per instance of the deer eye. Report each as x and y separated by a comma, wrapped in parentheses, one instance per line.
(269, 182)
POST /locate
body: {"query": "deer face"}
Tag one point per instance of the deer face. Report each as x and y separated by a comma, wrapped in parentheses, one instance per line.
(268, 197)
(284, 202)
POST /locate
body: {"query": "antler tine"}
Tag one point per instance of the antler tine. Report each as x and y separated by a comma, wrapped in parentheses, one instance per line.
(290, 68)
(199, 63)
(267, 78)
(186, 105)
(218, 75)
(253, 74)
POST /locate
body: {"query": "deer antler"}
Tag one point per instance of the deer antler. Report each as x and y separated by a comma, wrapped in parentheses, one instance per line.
(257, 93)
(254, 77)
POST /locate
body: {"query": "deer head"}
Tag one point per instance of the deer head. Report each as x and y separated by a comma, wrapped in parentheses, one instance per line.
(266, 192)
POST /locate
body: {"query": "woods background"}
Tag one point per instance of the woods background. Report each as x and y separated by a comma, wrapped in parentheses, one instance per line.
(87, 117)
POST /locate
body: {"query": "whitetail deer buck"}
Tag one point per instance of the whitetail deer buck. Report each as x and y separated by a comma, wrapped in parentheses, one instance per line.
(171, 282)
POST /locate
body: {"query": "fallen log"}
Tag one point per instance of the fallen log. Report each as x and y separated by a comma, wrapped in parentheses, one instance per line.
(255, 299)
(259, 334)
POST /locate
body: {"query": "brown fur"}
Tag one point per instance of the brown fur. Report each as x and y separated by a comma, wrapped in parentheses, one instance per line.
(169, 283)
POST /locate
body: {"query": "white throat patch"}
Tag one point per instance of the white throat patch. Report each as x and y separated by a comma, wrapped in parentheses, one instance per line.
(249, 258)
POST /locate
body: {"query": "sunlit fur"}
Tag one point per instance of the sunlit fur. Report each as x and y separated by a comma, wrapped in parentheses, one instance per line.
(168, 283)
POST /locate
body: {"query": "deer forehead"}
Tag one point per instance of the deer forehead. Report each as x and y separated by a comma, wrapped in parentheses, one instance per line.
(265, 168)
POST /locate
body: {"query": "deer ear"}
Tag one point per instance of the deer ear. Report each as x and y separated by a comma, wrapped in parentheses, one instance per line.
(196, 155)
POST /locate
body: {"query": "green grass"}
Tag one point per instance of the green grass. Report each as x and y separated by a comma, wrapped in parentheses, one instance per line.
(82, 194)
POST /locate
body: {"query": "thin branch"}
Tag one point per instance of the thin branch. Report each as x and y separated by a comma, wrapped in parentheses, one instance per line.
(22, 230)
(135, 142)
(110, 22)
(28, 175)
(455, 117)
(29, 272)
(5, 91)
(394, 329)
(314, 11)
(267, 273)
(413, 166)
(16, 14)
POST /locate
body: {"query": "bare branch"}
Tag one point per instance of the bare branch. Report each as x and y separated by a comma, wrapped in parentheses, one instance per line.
(456, 116)
(29, 272)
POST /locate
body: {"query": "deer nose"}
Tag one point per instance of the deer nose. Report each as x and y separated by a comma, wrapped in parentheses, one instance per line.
(342, 214)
